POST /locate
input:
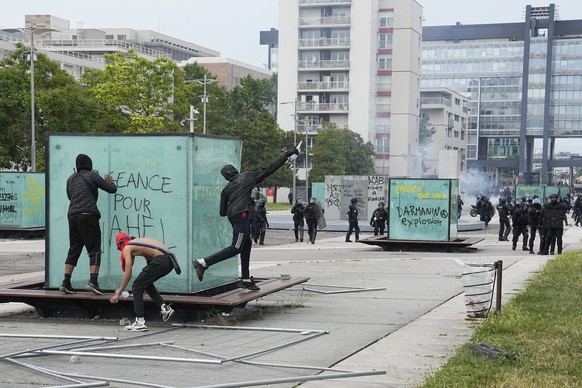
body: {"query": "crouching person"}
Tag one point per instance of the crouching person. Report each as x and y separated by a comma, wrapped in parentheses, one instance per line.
(160, 262)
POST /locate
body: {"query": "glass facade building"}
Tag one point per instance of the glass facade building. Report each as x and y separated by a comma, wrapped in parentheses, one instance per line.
(523, 82)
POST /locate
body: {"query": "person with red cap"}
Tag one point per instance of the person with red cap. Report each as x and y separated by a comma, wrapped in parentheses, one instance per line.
(160, 262)
(83, 216)
(236, 203)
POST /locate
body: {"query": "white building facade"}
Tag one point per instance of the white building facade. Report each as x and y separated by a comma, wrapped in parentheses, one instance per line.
(446, 111)
(355, 64)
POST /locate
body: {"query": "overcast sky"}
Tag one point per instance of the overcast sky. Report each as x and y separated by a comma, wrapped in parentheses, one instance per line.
(232, 26)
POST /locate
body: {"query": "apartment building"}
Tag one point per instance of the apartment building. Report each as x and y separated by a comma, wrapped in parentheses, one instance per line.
(446, 113)
(355, 64)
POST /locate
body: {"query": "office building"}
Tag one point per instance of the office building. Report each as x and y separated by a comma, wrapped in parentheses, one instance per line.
(523, 81)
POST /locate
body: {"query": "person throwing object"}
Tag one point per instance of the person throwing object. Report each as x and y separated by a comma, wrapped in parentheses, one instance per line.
(160, 262)
(236, 203)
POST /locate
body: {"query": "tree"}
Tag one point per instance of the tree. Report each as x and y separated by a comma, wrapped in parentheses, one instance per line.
(145, 92)
(340, 152)
(425, 132)
(61, 105)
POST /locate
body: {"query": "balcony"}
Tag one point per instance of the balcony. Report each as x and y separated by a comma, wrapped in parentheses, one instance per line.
(324, 42)
(325, 107)
(319, 3)
(438, 101)
(315, 64)
(335, 86)
(327, 21)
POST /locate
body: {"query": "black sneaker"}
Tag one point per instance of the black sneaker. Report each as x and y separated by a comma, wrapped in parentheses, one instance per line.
(199, 269)
(94, 287)
(248, 284)
(67, 288)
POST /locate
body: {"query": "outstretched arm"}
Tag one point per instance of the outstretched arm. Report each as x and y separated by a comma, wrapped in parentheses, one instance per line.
(274, 165)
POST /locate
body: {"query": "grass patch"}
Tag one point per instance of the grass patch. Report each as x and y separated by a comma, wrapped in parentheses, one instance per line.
(542, 326)
(277, 206)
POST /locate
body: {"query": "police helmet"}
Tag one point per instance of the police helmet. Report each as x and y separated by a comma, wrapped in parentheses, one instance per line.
(502, 199)
(354, 200)
(312, 200)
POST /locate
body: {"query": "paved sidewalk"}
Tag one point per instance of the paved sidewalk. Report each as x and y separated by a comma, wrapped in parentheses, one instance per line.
(407, 320)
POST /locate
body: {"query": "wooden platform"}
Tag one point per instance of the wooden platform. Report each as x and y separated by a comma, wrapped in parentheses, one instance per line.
(420, 246)
(24, 233)
(51, 303)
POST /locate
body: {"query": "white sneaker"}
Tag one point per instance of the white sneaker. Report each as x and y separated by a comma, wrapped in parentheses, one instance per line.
(136, 326)
(166, 312)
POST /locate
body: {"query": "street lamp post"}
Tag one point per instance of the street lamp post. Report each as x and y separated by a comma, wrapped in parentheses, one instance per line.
(204, 99)
(32, 31)
(205, 81)
(307, 160)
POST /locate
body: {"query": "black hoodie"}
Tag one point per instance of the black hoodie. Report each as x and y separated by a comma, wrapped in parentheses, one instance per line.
(83, 185)
(236, 195)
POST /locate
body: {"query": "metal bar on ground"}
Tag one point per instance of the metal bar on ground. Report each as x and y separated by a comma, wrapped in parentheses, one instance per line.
(84, 349)
(300, 331)
(293, 379)
(44, 371)
(344, 291)
(129, 356)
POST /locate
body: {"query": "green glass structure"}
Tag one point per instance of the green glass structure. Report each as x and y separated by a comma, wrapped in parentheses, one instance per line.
(168, 189)
(423, 209)
(22, 200)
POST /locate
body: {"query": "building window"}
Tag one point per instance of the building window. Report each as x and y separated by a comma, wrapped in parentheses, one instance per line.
(386, 20)
(385, 40)
(384, 62)
(121, 37)
(382, 145)
(110, 37)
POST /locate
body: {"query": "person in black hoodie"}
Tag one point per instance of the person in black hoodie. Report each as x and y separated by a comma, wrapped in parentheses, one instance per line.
(84, 230)
(236, 203)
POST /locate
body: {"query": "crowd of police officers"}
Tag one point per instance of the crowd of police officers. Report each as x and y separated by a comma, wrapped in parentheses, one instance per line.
(527, 216)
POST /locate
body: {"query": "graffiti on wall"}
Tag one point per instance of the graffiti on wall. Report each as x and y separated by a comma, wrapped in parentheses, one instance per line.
(376, 189)
(22, 199)
(138, 205)
(333, 194)
(420, 209)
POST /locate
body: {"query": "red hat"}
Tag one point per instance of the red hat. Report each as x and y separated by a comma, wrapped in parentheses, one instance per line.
(121, 240)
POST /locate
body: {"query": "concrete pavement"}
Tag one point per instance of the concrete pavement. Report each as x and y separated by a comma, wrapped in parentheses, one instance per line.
(363, 310)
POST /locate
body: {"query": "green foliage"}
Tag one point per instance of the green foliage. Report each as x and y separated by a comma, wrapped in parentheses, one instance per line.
(61, 104)
(340, 152)
(142, 90)
(541, 326)
(133, 94)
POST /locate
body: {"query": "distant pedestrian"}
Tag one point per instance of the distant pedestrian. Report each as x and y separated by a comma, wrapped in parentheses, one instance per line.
(520, 223)
(379, 219)
(290, 198)
(160, 262)
(534, 217)
(353, 220)
(460, 204)
(83, 215)
(261, 222)
(314, 218)
(298, 212)
(504, 211)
